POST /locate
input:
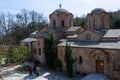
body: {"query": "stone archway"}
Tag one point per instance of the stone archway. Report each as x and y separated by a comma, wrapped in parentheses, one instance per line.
(98, 59)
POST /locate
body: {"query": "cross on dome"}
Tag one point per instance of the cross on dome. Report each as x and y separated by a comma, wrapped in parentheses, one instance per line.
(60, 5)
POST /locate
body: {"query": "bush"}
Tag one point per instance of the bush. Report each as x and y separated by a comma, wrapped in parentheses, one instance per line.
(57, 63)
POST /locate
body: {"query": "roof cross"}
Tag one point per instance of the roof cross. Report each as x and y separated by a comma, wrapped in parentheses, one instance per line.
(60, 5)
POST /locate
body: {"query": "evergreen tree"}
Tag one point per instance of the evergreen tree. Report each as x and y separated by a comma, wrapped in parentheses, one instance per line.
(69, 60)
(50, 51)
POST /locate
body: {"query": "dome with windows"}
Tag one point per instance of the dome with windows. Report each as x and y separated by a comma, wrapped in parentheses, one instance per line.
(98, 10)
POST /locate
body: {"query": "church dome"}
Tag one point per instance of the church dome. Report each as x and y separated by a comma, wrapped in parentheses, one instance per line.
(98, 10)
(60, 10)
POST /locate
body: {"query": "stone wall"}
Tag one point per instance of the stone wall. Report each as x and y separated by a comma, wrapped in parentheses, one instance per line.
(89, 56)
(98, 21)
(89, 35)
(67, 18)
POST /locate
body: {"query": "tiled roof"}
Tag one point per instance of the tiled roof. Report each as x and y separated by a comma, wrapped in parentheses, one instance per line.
(28, 40)
(35, 32)
(72, 36)
(112, 33)
(73, 28)
(42, 34)
(90, 44)
(55, 29)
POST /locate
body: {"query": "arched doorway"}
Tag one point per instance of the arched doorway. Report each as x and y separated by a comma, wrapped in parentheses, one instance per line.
(98, 59)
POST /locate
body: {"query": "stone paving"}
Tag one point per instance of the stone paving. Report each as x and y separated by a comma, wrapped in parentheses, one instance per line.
(45, 74)
(96, 76)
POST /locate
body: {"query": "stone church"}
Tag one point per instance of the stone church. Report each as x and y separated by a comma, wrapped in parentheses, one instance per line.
(95, 49)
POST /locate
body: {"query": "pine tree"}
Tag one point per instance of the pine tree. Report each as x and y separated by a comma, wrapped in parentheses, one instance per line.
(69, 60)
(50, 51)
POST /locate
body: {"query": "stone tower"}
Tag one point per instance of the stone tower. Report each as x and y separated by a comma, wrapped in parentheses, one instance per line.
(61, 18)
(98, 20)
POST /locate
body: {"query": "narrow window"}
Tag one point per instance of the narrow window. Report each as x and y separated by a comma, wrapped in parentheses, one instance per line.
(95, 24)
(80, 59)
(63, 24)
(70, 23)
(34, 51)
(54, 23)
(102, 23)
(39, 51)
(38, 43)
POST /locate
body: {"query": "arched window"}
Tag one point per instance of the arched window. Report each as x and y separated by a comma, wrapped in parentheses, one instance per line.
(95, 24)
(38, 43)
(80, 59)
(54, 23)
(70, 23)
(34, 50)
(62, 23)
(102, 22)
(39, 51)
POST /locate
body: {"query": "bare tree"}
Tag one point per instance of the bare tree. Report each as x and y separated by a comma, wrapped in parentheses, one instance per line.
(22, 19)
(6, 22)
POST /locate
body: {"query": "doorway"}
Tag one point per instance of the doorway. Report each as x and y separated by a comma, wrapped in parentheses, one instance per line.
(99, 66)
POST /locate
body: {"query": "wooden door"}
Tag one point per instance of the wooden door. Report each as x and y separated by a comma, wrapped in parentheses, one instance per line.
(100, 66)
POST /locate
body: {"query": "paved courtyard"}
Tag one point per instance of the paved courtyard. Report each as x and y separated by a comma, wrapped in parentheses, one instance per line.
(45, 74)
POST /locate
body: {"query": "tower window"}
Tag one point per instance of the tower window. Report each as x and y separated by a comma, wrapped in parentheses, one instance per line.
(63, 24)
(39, 51)
(54, 23)
(102, 23)
(38, 43)
(95, 24)
(34, 50)
(80, 59)
(70, 23)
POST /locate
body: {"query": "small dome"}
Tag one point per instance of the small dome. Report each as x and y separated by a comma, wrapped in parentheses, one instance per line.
(98, 10)
(60, 10)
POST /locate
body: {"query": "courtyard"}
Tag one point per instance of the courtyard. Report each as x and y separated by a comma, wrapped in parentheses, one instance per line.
(45, 74)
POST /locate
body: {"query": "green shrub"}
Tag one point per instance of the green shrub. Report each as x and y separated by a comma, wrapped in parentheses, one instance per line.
(57, 63)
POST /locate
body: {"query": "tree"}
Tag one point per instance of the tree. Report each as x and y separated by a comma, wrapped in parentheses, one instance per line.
(16, 54)
(50, 51)
(6, 22)
(69, 60)
(23, 53)
(11, 55)
(114, 19)
(80, 21)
